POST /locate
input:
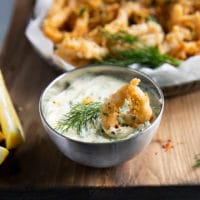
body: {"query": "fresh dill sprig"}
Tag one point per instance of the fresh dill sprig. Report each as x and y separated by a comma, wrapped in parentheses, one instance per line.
(197, 161)
(197, 164)
(121, 36)
(148, 56)
(79, 117)
(151, 18)
(138, 52)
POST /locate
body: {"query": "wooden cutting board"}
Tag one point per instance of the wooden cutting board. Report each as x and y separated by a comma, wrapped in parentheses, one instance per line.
(38, 163)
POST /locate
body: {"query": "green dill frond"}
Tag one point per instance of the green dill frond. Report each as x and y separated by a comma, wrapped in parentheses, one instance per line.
(197, 164)
(79, 117)
(137, 52)
(82, 11)
(197, 161)
(121, 36)
(148, 56)
(151, 18)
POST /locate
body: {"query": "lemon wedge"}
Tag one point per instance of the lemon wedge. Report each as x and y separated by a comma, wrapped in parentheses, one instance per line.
(10, 123)
(1, 136)
(3, 154)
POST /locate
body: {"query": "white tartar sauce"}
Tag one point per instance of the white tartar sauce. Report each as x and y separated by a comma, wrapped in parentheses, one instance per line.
(98, 88)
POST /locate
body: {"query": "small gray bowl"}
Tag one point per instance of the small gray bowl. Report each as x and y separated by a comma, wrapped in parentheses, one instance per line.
(110, 153)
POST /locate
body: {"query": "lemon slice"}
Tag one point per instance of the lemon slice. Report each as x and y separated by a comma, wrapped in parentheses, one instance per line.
(3, 154)
(10, 124)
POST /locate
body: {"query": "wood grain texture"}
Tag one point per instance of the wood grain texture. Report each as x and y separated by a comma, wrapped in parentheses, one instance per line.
(38, 163)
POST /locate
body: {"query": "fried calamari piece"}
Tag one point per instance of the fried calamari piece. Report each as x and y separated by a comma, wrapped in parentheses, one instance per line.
(110, 109)
(80, 48)
(150, 33)
(138, 113)
(139, 103)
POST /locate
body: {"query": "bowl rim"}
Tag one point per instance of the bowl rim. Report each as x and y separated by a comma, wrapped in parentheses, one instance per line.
(43, 118)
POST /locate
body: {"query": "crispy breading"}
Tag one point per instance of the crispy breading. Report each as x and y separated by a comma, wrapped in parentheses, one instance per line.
(139, 110)
(73, 26)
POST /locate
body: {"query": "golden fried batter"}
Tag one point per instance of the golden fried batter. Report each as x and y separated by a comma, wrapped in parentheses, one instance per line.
(139, 107)
(172, 26)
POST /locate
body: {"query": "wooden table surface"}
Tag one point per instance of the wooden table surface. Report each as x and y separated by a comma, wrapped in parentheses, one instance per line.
(38, 163)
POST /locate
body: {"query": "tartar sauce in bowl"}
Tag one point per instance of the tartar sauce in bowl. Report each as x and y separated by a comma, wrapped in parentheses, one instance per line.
(98, 88)
(101, 105)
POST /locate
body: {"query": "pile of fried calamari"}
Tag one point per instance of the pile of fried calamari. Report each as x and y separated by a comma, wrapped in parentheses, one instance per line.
(81, 29)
